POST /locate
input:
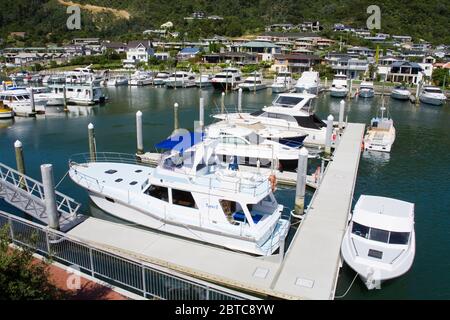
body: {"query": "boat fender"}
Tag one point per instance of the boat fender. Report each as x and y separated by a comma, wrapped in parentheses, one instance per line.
(316, 174)
(333, 137)
(362, 146)
(273, 182)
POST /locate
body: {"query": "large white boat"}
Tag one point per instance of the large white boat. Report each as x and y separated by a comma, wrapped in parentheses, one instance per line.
(188, 195)
(18, 99)
(203, 81)
(379, 243)
(79, 94)
(141, 78)
(181, 79)
(400, 93)
(117, 81)
(161, 78)
(253, 83)
(289, 112)
(53, 78)
(309, 82)
(366, 90)
(249, 147)
(380, 135)
(339, 86)
(432, 95)
(227, 79)
(283, 82)
(84, 75)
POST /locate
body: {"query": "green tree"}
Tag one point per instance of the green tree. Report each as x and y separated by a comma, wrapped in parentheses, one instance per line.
(22, 278)
(441, 75)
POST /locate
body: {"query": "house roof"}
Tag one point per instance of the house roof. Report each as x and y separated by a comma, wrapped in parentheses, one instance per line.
(405, 63)
(135, 43)
(296, 57)
(259, 44)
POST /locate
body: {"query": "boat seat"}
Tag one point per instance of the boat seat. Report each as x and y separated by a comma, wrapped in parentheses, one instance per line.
(240, 216)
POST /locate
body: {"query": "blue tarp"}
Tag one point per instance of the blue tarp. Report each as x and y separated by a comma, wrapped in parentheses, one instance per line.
(181, 142)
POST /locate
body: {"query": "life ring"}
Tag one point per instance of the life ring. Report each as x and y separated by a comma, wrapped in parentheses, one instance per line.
(273, 182)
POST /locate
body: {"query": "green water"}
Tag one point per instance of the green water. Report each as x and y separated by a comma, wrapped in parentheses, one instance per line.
(417, 170)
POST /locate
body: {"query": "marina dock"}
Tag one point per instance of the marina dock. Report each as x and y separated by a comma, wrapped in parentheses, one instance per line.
(309, 269)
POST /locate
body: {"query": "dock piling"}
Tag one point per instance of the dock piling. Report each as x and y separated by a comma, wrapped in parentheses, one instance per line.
(33, 102)
(202, 113)
(301, 181)
(50, 196)
(341, 114)
(175, 116)
(20, 161)
(329, 133)
(92, 144)
(65, 98)
(139, 135)
(222, 104)
(240, 100)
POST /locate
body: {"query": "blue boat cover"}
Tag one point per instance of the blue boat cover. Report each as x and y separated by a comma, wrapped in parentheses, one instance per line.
(180, 142)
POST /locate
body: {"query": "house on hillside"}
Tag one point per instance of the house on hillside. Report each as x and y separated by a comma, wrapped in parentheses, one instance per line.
(118, 47)
(295, 63)
(138, 51)
(188, 53)
(405, 71)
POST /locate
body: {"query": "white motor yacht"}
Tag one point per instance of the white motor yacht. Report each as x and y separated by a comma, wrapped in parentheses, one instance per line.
(379, 243)
(203, 81)
(141, 78)
(283, 82)
(181, 79)
(79, 94)
(432, 95)
(227, 79)
(188, 195)
(117, 81)
(288, 112)
(161, 78)
(380, 135)
(339, 86)
(309, 82)
(400, 93)
(5, 111)
(366, 90)
(253, 83)
(18, 100)
(84, 75)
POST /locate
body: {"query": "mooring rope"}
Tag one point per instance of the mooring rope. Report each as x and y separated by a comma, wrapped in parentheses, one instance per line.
(351, 284)
(65, 175)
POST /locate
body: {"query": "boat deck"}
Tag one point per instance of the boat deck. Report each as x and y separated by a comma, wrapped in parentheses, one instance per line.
(310, 267)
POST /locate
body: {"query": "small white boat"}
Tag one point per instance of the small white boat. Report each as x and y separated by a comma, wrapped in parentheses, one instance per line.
(203, 81)
(253, 83)
(84, 75)
(188, 195)
(117, 81)
(181, 79)
(283, 82)
(227, 79)
(400, 93)
(79, 94)
(339, 87)
(379, 243)
(309, 82)
(366, 90)
(141, 78)
(161, 78)
(381, 134)
(5, 112)
(432, 95)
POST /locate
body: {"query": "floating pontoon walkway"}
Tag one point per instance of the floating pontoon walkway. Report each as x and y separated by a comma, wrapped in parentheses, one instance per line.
(310, 268)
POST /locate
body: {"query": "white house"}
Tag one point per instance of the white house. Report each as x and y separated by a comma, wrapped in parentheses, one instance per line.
(138, 51)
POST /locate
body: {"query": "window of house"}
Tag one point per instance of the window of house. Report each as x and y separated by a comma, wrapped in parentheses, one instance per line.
(183, 198)
(158, 192)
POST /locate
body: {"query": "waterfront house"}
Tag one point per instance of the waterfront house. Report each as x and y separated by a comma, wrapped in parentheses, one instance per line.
(356, 52)
(405, 71)
(265, 50)
(353, 68)
(295, 63)
(241, 58)
(118, 47)
(137, 51)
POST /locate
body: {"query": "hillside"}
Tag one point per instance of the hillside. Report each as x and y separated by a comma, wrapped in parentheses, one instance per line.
(44, 20)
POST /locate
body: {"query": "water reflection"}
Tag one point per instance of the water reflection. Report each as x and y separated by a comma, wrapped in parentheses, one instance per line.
(376, 158)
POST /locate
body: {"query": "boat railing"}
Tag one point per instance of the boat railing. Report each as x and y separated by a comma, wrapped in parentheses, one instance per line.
(116, 157)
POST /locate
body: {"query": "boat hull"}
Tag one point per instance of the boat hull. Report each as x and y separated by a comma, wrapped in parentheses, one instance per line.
(312, 90)
(179, 84)
(6, 114)
(366, 94)
(125, 212)
(253, 87)
(431, 101)
(338, 93)
(400, 96)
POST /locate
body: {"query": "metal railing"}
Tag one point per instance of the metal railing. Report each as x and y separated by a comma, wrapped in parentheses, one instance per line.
(149, 281)
(115, 157)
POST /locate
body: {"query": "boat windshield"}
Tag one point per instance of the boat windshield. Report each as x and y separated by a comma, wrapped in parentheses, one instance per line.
(380, 235)
(432, 90)
(223, 76)
(287, 101)
(254, 138)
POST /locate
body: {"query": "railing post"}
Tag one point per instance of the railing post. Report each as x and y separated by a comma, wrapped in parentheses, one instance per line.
(11, 229)
(91, 260)
(140, 139)
(144, 285)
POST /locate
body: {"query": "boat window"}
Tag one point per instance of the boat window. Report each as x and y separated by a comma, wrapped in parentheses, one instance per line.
(254, 138)
(287, 101)
(158, 192)
(379, 235)
(133, 183)
(119, 180)
(110, 171)
(230, 210)
(360, 230)
(138, 171)
(183, 198)
(257, 113)
(311, 121)
(399, 237)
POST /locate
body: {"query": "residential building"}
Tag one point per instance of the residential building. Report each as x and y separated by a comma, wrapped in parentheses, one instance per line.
(118, 47)
(295, 63)
(188, 53)
(353, 68)
(242, 58)
(405, 71)
(356, 52)
(138, 51)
